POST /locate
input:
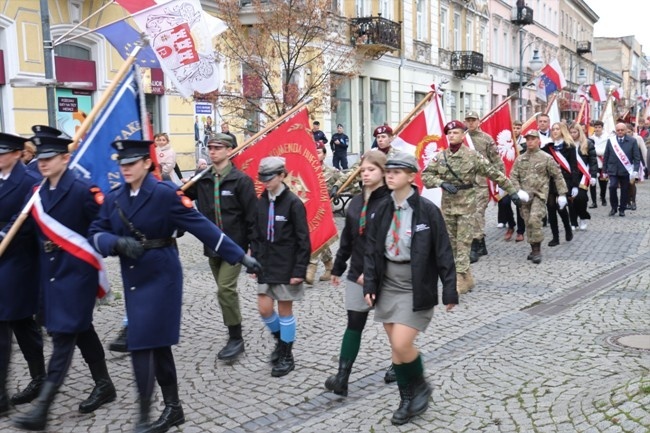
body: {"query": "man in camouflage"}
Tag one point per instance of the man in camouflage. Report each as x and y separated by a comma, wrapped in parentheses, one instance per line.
(531, 175)
(331, 176)
(455, 170)
(384, 136)
(483, 144)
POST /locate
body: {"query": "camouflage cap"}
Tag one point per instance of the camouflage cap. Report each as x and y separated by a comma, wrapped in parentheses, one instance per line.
(532, 133)
(472, 115)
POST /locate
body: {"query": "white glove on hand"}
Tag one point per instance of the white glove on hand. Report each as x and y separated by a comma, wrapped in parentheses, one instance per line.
(633, 175)
(501, 191)
(592, 181)
(561, 202)
(523, 196)
(574, 191)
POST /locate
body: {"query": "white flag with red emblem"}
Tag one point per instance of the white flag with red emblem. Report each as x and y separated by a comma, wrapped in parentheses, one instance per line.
(499, 126)
(181, 35)
(424, 138)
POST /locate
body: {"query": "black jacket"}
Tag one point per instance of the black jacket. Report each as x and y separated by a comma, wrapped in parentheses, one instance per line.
(238, 205)
(590, 159)
(342, 146)
(319, 136)
(613, 166)
(288, 255)
(572, 179)
(352, 245)
(431, 254)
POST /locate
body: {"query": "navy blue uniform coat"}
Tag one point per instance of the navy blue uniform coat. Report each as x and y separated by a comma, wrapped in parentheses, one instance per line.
(18, 265)
(153, 284)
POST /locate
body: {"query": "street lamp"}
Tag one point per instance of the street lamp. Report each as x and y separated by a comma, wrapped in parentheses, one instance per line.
(535, 65)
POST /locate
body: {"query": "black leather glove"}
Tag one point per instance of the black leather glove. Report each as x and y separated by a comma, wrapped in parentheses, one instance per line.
(515, 199)
(334, 191)
(450, 188)
(252, 266)
(128, 247)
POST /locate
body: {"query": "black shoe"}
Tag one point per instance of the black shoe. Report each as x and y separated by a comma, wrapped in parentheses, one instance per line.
(569, 235)
(473, 253)
(612, 212)
(482, 249)
(285, 364)
(554, 243)
(4, 403)
(36, 419)
(633, 206)
(33, 388)
(390, 375)
(102, 393)
(119, 344)
(143, 425)
(621, 213)
(232, 349)
(603, 202)
(339, 382)
(593, 206)
(172, 414)
(420, 397)
(401, 415)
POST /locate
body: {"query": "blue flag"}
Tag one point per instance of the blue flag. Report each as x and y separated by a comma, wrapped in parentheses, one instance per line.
(123, 38)
(95, 159)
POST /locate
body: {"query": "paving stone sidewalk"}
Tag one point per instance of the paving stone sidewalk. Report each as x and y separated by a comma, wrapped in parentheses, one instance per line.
(529, 350)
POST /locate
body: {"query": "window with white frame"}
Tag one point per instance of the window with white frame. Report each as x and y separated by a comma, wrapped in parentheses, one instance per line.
(483, 39)
(421, 20)
(457, 45)
(378, 101)
(444, 29)
(363, 8)
(495, 45)
(386, 9)
(469, 34)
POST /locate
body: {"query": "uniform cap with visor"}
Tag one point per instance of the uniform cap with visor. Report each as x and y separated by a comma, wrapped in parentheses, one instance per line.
(11, 143)
(270, 167)
(48, 147)
(404, 161)
(220, 138)
(130, 151)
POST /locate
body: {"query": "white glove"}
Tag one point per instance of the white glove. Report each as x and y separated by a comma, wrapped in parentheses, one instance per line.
(501, 191)
(574, 191)
(561, 202)
(592, 181)
(523, 196)
(634, 175)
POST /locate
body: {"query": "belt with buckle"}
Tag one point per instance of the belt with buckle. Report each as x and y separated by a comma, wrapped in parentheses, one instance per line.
(150, 244)
(49, 246)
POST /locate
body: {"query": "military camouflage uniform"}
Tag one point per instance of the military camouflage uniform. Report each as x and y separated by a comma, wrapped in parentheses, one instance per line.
(484, 144)
(532, 172)
(331, 176)
(459, 209)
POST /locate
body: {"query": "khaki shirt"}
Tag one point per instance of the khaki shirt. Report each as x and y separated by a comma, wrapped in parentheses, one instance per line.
(485, 145)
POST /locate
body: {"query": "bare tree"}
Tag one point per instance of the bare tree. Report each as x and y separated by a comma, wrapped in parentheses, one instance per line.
(287, 50)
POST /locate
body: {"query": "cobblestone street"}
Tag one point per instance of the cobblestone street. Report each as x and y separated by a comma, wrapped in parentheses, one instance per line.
(531, 349)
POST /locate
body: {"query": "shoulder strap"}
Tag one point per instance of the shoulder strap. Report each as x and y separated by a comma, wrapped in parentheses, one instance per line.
(137, 233)
(451, 170)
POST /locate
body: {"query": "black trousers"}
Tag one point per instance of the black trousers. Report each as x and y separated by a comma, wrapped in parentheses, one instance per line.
(29, 338)
(155, 363)
(506, 216)
(580, 203)
(553, 210)
(614, 182)
(603, 190)
(340, 161)
(63, 349)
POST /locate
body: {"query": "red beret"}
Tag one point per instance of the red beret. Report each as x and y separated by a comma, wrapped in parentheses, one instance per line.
(382, 130)
(454, 124)
(320, 145)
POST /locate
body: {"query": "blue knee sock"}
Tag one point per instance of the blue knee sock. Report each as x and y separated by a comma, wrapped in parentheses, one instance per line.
(272, 322)
(288, 328)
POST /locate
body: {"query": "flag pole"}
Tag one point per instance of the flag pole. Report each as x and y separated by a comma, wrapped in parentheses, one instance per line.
(251, 140)
(581, 112)
(79, 133)
(548, 106)
(398, 129)
(602, 113)
(80, 23)
(497, 108)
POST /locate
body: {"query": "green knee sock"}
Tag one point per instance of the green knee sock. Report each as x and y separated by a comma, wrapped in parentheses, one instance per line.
(350, 344)
(407, 372)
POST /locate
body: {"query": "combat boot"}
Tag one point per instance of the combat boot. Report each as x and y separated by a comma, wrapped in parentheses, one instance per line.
(401, 415)
(275, 355)
(328, 271)
(4, 400)
(473, 253)
(103, 392)
(338, 383)
(469, 280)
(172, 414)
(36, 419)
(421, 392)
(235, 345)
(461, 284)
(390, 375)
(537, 253)
(482, 249)
(285, 364)
(311, 274)
(37, 373)
(532, 251)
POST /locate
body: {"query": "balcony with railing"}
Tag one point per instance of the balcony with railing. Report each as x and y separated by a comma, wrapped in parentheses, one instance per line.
(583, 47)
(375, 36)
(466, 63)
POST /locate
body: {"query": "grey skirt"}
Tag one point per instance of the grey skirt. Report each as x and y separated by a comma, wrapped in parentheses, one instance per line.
(354, 300)
(395, 300)
(282, 292)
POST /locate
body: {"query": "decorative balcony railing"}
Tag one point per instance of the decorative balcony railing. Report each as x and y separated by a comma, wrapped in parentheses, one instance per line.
(465, 63)
(375, 35)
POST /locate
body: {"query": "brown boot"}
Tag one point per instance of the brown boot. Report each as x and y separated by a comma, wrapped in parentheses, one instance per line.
(537, 253)
(328, 271)
(311, 274)
(469, 278)
(461, 283)
(509, 234)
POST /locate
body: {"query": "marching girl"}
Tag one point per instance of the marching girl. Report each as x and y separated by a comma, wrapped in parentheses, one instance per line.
(352, 246)
(408, 251)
